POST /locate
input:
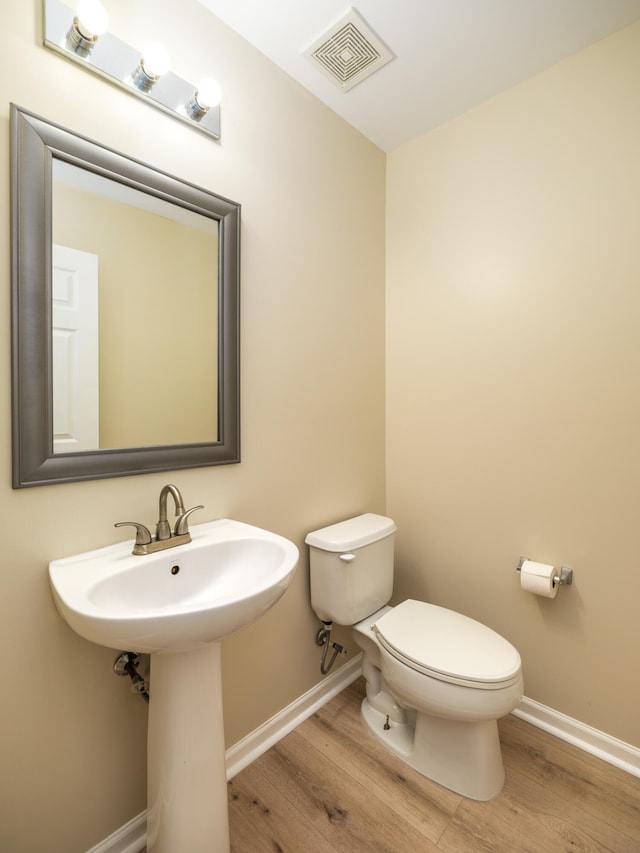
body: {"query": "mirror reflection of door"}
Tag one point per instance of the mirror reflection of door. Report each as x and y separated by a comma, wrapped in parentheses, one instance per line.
(75, 350)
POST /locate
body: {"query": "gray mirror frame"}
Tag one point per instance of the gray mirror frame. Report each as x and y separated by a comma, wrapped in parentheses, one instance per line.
(34, 143)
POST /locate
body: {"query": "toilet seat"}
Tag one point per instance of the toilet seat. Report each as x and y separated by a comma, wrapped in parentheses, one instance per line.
(448, 646)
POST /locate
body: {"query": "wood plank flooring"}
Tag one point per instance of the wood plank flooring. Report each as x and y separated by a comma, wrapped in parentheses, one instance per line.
(330, 787)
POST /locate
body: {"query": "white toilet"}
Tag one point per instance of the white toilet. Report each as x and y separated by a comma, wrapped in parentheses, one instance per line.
(437, 681)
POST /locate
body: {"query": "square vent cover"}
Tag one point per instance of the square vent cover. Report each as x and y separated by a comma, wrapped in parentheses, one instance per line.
(349, 52)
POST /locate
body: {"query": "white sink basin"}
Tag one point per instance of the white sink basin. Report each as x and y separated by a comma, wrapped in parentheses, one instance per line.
(179, 599)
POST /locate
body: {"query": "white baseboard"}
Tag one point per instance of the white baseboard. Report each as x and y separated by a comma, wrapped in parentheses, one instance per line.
(241, 754)
(595, 742)
(131, 838)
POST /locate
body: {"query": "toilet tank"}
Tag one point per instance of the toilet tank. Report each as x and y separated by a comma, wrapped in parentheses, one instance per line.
(351, 565)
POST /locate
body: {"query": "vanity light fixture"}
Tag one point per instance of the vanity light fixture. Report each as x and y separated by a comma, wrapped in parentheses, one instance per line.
(81, 35)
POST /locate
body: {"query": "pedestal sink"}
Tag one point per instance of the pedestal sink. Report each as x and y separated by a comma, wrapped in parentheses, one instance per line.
(176, 605)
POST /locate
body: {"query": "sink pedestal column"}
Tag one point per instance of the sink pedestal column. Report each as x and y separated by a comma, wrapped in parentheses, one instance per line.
(186, 778)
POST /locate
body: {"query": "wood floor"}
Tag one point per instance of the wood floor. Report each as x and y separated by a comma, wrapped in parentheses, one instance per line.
(329, 786)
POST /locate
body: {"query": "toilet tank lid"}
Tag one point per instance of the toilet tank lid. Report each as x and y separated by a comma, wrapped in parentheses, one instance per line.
(352, 533)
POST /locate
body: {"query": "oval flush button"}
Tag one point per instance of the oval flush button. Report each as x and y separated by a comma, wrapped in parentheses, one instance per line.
(348, 558)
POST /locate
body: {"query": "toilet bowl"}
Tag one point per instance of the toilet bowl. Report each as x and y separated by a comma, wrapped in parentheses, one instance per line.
(437, 681)
(431, 704)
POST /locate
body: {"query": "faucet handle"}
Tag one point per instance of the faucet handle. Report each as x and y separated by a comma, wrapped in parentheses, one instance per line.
(182, 525)
(143, 536)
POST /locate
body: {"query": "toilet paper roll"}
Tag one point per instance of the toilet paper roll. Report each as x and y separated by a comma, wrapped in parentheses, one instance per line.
(538, 579)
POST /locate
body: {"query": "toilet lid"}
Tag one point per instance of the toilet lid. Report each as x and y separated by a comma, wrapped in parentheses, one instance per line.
(443, 643)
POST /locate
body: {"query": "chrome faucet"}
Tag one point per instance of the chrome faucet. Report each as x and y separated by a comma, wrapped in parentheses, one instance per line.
(165, 537)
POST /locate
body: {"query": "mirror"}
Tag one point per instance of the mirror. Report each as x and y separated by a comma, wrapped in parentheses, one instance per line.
(125, 317)
(131, 274)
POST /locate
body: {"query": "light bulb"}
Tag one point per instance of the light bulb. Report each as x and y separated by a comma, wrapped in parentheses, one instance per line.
(90, 22)
(155, 60)
(92, 18)
(154, 63)
(208, 93)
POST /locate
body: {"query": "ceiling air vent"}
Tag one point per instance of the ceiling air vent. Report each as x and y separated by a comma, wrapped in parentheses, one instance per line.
(349, 52)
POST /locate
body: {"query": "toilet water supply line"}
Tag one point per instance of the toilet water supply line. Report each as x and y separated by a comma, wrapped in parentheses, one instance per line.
(322, 639)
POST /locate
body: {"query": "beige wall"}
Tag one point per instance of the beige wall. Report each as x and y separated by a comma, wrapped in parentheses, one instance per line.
(72, 737)
(513, 373)
(512, 408)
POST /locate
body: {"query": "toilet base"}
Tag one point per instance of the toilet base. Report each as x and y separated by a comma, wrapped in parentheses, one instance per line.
(460, 755)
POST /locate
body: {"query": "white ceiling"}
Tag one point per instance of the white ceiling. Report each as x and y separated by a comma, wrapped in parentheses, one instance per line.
(450, 55)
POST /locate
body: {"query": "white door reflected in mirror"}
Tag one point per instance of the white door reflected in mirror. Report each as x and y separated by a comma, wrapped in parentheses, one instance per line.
(76, 406)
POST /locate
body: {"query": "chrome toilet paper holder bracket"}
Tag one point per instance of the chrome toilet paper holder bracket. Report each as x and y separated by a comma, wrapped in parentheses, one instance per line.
(564, 576)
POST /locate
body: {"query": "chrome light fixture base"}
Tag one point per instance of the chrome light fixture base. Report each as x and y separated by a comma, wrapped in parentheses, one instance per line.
(78, 42)
(117, 61)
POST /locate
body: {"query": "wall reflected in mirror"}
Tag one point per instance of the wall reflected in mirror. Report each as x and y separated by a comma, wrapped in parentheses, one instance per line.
(134, 311)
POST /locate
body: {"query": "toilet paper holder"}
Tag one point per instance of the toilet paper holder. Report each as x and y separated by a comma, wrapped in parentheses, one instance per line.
(564, 576)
